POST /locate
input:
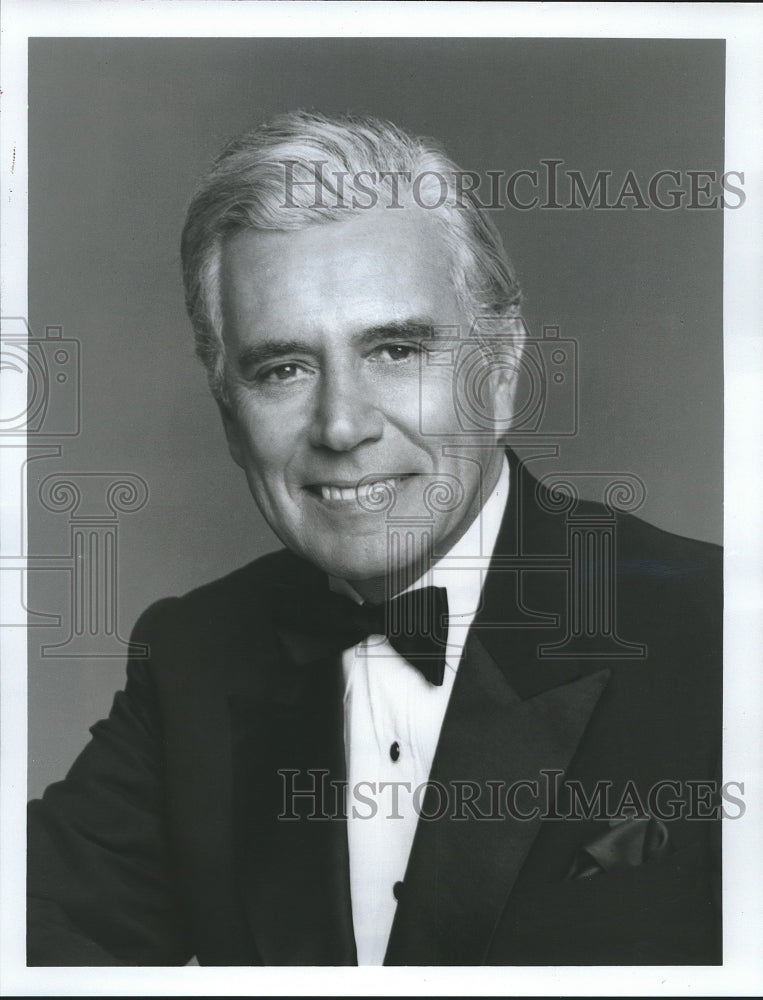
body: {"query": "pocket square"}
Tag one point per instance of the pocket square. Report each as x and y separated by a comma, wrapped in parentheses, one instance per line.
(627, 843)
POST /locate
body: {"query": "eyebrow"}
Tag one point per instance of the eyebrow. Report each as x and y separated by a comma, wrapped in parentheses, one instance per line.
(270, 350)
(257, 354)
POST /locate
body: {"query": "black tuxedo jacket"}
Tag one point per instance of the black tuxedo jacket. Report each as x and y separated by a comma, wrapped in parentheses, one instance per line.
(164, 840)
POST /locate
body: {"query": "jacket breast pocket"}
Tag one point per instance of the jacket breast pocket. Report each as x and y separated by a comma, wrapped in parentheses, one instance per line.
(659, 913)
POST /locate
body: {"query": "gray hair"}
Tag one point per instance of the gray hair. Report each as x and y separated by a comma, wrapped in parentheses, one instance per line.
(278, 177)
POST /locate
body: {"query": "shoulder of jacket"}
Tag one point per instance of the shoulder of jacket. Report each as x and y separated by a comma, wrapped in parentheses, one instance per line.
(643, 548)
(245, 588)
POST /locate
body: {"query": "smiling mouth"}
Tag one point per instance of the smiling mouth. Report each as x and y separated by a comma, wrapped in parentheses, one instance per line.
(366, 489)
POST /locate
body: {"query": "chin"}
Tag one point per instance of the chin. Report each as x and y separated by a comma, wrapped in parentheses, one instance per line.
(351, 562)
(355, 571)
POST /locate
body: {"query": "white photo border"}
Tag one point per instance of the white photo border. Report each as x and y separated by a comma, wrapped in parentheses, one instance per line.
(741, 26)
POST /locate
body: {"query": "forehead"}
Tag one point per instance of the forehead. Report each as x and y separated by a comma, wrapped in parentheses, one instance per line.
(378, 266)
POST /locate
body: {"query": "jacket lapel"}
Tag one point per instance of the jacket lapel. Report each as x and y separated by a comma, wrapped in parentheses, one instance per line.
(461, 870)
(512, 716)
(292, 848)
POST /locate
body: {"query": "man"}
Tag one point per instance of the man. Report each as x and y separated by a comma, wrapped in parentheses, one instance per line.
(461, 718)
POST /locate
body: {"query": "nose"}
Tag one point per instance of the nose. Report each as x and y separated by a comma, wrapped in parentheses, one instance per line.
(346, 414)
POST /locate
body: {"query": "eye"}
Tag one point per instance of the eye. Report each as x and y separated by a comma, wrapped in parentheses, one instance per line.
(397, 352)
(286, 372)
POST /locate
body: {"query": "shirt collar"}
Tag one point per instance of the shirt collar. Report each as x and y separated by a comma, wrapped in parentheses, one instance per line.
(462, 569)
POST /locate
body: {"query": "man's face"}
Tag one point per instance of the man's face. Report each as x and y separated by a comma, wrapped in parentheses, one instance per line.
(334, 378)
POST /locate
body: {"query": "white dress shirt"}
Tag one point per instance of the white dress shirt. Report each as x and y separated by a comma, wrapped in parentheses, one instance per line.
(392, 722)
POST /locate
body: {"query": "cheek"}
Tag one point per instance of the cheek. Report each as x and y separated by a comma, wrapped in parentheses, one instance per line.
(437, 380)
(435, 407)
(268, 437)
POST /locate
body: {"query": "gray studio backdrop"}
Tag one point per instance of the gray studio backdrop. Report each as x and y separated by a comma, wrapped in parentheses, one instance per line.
(119, 132)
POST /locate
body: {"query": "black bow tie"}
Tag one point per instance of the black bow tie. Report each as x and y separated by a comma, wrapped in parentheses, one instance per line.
(416, 623)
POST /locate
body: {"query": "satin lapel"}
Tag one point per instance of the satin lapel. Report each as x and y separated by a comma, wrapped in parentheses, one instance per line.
(293, 848)
(461, 871)
(512, 716)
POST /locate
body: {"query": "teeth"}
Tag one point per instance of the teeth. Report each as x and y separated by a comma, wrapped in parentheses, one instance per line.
(370, 491)
(337, 493)
(356, 492)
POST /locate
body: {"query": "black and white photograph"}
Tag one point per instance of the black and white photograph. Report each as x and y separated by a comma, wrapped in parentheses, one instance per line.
(380, 440)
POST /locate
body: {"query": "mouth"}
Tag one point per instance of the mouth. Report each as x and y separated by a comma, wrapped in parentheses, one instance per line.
(366, 489)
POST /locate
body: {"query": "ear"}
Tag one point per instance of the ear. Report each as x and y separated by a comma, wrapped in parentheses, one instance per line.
(507, 370)
(232, 432)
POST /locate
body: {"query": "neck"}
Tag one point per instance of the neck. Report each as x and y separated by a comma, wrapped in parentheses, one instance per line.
(383, 588)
